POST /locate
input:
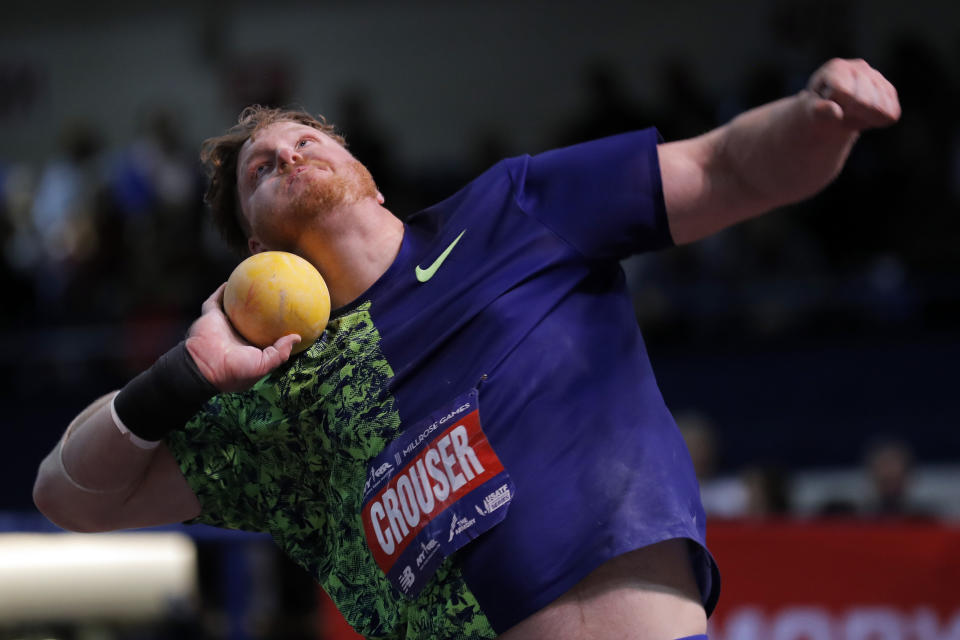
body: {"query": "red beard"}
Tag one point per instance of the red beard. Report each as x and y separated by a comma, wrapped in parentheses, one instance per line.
(314, 200)
(320, 196)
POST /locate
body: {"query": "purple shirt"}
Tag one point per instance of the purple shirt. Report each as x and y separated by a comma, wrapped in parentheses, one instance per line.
(530, 307)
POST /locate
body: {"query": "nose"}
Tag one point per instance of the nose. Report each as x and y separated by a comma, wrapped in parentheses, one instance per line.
(287, 156)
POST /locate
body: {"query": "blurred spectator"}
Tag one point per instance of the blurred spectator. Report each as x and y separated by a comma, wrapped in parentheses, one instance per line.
(160, 167)
(889, 464)
(17, 245)
(63, 216)
(768, 491)
(758, 491)
(269, 78)
(722, 496)
(116, 236)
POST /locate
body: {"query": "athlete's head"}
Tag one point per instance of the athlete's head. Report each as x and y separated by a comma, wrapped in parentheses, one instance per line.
(276, 169)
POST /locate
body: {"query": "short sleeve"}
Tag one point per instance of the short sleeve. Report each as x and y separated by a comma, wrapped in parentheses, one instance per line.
(604, 197)
(221, 465)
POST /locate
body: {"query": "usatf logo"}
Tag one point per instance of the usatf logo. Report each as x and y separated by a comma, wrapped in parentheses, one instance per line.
(494, 501)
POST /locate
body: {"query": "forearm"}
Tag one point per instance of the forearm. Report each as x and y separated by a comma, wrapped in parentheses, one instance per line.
(110, 469)
(100, 477)
(773, 155)
(782, 152)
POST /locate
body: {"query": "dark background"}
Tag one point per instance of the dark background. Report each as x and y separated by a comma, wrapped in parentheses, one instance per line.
(802, 336)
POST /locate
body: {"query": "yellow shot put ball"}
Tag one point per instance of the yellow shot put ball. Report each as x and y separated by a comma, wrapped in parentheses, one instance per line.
(273, 294)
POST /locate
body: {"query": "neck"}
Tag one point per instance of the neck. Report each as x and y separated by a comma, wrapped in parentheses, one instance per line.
(352, 248)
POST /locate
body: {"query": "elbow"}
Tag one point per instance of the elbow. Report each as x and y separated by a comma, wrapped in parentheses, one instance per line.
(49, 503)
(65, 518)
(60, 507)
(44, 491)
(45, 499)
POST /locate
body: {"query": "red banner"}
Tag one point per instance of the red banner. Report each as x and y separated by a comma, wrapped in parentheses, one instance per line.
(442, 471)
(836, 581)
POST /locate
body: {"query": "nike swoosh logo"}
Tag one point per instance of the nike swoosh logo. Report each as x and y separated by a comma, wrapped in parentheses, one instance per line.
(425, 274)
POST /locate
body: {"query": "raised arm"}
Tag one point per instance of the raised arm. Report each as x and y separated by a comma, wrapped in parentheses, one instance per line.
(100, 478)
(775, 154)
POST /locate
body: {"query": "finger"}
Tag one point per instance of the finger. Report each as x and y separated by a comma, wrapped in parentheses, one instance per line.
(872, 94)
(821, 86)
(215, 301)
(835, 75)
(866, 98)
(827, 110)
(859, 106)
(889, 101)
(287, 343)
(881, 94)
(883, 98)
(896, 110)
(279, 352)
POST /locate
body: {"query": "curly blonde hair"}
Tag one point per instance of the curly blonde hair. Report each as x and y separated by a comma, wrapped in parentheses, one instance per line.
(219, 157)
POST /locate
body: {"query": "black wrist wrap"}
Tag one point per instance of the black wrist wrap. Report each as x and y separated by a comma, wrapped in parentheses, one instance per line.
(165, 396)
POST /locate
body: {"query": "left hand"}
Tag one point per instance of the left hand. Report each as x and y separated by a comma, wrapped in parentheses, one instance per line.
(854, 95)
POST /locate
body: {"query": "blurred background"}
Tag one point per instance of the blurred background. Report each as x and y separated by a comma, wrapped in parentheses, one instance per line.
(810, 356)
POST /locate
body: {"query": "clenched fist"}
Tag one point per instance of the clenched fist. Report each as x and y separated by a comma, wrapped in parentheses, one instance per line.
(854, 95)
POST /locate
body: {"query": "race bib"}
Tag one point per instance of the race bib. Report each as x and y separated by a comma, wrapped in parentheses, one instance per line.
(435, 488)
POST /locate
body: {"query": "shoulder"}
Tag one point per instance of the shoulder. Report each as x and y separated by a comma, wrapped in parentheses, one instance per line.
(479, 196)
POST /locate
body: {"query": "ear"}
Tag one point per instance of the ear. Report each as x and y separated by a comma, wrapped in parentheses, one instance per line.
(255, 246)
(380, 198)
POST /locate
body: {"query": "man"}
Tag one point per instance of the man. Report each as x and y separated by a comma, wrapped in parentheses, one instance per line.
(476, 447)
